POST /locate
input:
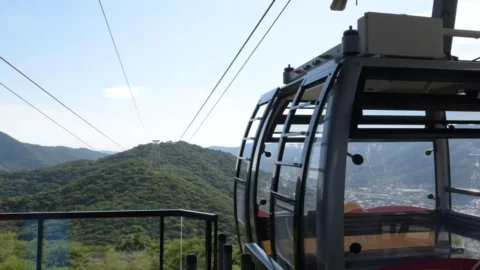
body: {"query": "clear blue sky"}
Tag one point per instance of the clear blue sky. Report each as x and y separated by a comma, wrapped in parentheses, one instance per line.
(174, 52)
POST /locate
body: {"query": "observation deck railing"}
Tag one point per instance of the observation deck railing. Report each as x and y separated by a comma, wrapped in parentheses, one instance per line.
(211, 222)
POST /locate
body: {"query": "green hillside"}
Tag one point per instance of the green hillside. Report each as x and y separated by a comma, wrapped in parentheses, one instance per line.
(189, 177)
(15, 155)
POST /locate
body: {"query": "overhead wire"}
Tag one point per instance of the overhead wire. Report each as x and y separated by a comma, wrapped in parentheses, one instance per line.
(240, 70)
(228, 68)
(123, 70)
(61, 103)
(64, 128)
(51, 119)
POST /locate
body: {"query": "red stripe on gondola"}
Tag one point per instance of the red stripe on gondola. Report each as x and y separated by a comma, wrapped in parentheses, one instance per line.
(262, 213)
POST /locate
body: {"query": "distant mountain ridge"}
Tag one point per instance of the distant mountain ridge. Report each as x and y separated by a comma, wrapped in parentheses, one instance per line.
(16, 155)
(229, 149)
(108, 152)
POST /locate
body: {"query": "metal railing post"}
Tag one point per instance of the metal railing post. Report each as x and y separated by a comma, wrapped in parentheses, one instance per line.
(162, 230)
(208, 245)
(40, 231)
(191, 262)
(215, 241)
(246, 261)
(227, 257)
(222, 240)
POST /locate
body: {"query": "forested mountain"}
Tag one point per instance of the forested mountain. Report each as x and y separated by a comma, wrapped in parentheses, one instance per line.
(187, 176)
(15, 155)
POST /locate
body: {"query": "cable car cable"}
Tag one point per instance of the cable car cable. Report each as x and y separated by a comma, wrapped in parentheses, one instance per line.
(240, 70)
(51, 119)
(123, 70)
(228, 68)
(64, 128)
(61, 103)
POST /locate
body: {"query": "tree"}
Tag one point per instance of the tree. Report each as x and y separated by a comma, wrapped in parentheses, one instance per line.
(136, 241)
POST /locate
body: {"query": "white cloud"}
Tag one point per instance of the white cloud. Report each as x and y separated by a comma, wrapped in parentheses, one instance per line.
(122, 92)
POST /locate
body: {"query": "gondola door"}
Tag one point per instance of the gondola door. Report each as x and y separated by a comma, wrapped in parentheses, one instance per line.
(290, 139)
(242, 184)
(287, 183)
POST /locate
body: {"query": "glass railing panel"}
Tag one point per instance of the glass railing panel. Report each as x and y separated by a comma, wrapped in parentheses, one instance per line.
(107, 243)
(122, 242)
(184, 236)
(18, 244)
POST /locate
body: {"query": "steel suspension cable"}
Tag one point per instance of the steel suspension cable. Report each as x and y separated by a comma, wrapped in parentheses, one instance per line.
(228, 68)
(240, 70)
(123, 70)
(61, 103)
(51, 119)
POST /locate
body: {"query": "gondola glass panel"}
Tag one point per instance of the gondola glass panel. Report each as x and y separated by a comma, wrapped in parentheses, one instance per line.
(265, 176)
(465, 165)
(253, 133)
(386, 199)
(261, 111)
(470, 247)
(310, 197)
(389, 197)
(242, 221)
(253, 129)
(287, 182)
(396, 174)
(243, 170)
(264, 179)
(466, 204)
(284, 232)
(289, 172)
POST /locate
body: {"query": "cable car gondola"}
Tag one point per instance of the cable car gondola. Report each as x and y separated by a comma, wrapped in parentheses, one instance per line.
(354, 162)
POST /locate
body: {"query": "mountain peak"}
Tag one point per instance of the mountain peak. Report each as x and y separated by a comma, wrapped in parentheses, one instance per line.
(15, 155)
